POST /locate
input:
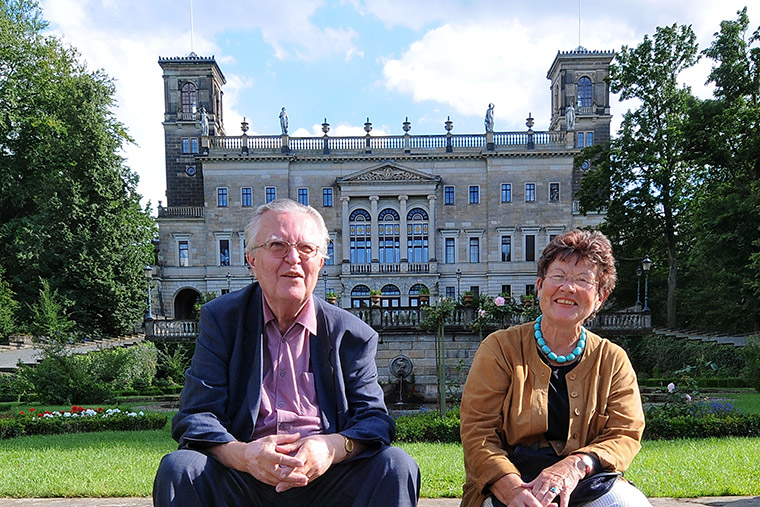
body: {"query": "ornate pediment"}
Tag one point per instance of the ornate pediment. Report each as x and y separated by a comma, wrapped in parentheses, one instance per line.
(388, 172)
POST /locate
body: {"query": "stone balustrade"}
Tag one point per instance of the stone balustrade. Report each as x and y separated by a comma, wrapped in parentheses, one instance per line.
(502, 141)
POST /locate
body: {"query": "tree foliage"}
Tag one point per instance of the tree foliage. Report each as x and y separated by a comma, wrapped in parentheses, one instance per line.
(643, 172)
(71, 214)
(724, 136)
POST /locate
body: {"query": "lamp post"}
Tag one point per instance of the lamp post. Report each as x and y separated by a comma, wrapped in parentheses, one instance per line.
(148, 276)
(229, 279)
(459, 279)
(646, 264)
(324, 279)
(638, 288)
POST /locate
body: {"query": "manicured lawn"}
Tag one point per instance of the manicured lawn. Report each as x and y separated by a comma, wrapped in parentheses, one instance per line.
(124, 463)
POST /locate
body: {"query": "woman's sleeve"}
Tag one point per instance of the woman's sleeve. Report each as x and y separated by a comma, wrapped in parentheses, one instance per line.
(482, 420)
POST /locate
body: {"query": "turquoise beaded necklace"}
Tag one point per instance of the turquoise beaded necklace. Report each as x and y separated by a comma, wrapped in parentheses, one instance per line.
(577, 351)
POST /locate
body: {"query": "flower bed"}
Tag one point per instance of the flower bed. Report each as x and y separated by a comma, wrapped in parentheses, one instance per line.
(77, 420)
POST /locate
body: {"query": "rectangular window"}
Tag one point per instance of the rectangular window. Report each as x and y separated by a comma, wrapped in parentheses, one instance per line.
(330, 260)
(185, 145)
(271, 194)
(530, 290)
(221, 197)
(448, 195)
(589, 138)
(194, 145)
(450, 251)
(530, 192)
(246, 197)
(506, 290)
(327, 197)
(506, 192)
(474, 249)
(303, 196)
(581, 138)
(474, 194)
(506, 248)
(224, 252)
(451, 292)
(530, 247)
(184, 253)
(475, 289)
(553, 192)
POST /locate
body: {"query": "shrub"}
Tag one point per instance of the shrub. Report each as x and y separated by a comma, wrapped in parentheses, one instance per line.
(751, 354)
(428, 426)
(78, 420)
(63, 379)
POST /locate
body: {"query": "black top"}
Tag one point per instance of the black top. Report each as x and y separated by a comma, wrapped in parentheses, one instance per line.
(559, 401)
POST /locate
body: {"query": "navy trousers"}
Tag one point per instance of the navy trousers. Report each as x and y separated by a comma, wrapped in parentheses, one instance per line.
(386, 477)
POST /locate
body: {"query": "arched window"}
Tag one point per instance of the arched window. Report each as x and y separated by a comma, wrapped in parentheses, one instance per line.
(360, 242)
(414, 293)
(584, 92)
(388, 233)
(187, 96)
(417, 235)
(391, 296)
(360, 297)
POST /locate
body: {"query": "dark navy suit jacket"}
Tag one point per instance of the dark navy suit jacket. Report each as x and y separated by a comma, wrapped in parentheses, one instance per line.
(222, 393)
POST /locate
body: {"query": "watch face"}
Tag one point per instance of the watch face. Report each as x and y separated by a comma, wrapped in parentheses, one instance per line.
(190, 170)
(585, 165)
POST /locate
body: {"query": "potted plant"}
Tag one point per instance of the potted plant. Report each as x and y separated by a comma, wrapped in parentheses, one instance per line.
(467, 297)
(374, 296)
(331, 296)
(424, 295)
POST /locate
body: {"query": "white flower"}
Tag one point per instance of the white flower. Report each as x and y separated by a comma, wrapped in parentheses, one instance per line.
(141, 412)
(688, 397)
(671, 387)
(482, 312)
(499, 301)
(49, 416)
(90, 412)
(67, 414)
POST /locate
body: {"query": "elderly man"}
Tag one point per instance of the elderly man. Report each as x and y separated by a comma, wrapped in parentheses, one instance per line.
(281, 404)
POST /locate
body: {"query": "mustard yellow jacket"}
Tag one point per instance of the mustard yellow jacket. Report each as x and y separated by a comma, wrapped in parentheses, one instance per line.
(504, 403)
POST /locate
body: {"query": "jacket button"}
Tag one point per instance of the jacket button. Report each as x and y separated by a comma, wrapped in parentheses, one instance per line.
(574, 394)
(577, 411)
(575, 436)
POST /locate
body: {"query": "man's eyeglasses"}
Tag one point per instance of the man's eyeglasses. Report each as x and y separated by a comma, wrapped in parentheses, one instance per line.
(584, 282)
(281, 248)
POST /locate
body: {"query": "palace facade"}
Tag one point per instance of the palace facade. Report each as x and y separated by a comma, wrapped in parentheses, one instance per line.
(407, 214)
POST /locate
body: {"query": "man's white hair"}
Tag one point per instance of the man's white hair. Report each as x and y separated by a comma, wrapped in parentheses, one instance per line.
(286, 206)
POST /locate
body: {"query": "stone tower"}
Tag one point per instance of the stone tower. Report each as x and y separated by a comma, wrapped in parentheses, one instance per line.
(192, 87)
(578, 77)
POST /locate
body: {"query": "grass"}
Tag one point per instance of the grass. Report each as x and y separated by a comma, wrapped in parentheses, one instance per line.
(124, 463)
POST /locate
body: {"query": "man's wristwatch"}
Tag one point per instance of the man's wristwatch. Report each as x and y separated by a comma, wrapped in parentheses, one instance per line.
(348, 445)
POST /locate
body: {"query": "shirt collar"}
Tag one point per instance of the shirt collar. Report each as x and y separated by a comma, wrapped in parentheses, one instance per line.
(307, 317)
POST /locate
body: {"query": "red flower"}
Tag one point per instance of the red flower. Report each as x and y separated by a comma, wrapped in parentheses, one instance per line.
(22, 412)
(31, 409)
(39, 415)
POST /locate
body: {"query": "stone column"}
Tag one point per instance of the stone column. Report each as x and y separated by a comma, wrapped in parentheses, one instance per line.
(402, 225)
(345, 232)
(432, 231)
(373, 212)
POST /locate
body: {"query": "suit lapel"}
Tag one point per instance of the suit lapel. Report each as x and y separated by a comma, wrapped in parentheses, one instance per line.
(253, 346)
(322, 363)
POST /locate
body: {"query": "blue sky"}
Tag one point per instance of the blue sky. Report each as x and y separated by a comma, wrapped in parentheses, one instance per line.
(346, 60)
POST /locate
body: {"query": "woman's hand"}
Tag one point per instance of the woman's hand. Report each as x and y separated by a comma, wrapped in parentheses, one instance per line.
(559, 479)
(510, 490)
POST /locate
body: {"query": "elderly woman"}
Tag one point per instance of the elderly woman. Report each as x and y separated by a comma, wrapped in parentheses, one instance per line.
(548, 404)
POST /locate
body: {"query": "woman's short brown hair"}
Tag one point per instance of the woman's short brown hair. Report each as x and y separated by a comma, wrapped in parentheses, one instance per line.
(589, 246)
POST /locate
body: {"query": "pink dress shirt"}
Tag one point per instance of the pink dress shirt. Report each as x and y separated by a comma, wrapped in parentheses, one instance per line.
(288, 394)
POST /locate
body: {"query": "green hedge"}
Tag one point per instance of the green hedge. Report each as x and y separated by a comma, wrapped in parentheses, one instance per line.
(687, 426)
(428, 427)
(17, 426)
(725, 382)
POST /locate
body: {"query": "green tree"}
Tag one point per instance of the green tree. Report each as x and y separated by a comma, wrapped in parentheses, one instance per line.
(724, 136)
(642, 175)
(70, 209)
(49, 319)
(8, 306)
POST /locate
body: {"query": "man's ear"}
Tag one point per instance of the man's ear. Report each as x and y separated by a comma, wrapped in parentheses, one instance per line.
(249, 257)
